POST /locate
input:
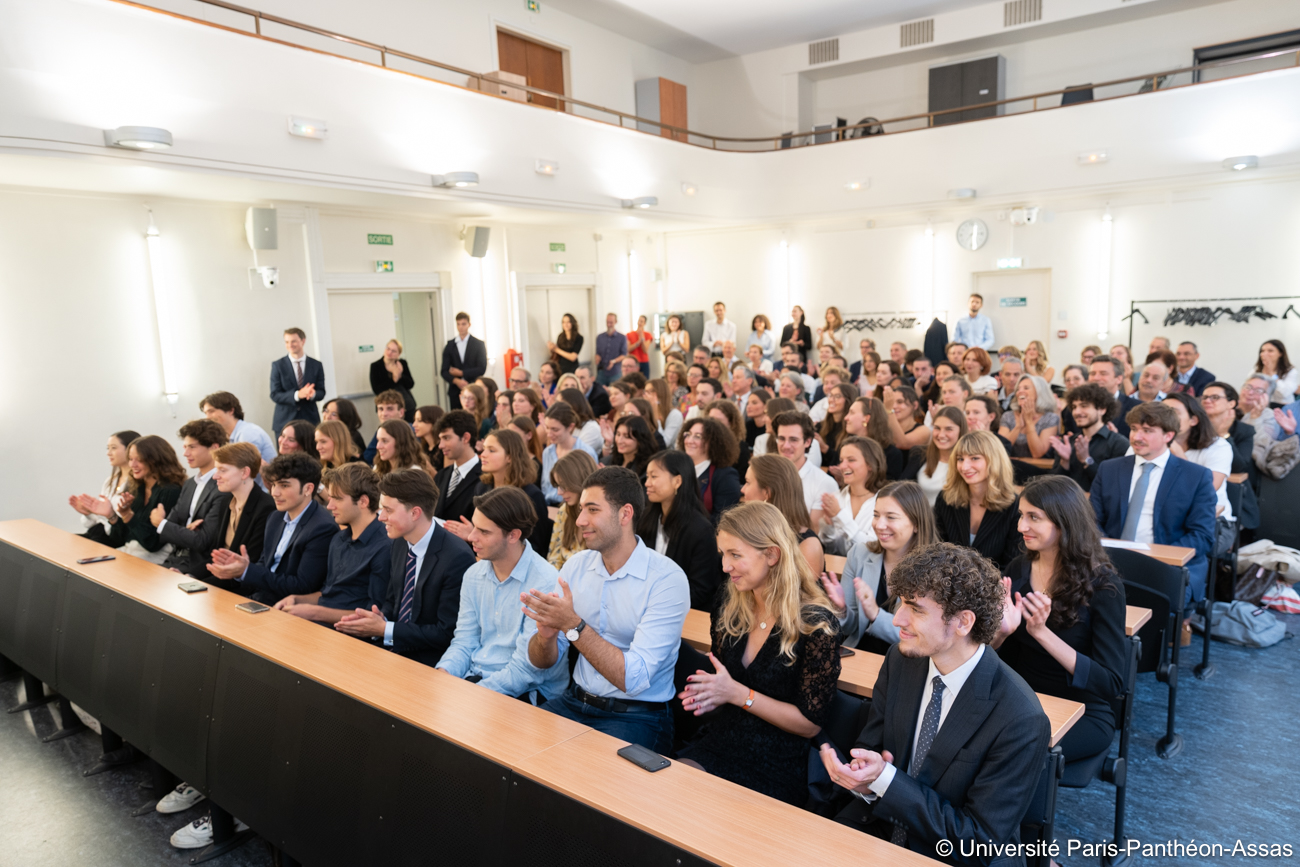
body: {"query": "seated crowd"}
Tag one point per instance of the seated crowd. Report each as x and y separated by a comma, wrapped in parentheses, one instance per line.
(547, 541)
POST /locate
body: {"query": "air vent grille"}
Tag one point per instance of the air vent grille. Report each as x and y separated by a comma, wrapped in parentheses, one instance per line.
(1015, 12)
(916, 33)
(824, 51)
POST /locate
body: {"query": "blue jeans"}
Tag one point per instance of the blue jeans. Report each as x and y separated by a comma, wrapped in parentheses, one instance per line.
(605, 376)
(652, 729)
(645, 368)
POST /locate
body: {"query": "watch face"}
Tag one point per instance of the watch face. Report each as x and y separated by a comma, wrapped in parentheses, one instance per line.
(972, 234)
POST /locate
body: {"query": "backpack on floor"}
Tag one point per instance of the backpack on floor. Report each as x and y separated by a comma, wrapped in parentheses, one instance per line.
(1243, 624)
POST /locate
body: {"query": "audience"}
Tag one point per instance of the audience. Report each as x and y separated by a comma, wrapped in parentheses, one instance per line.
(559, 424)
(847, 515)
(674, 337)
(631, 445)
(1032, 418)
(1035, 361)
(1197, 442)
(794, 436)
(1283, 377)
(760, 335)
(928, 467)
(567, 477)
(978, 504)
(298, 436)
(982, 413)
(719, 331)
(904, 417)
(297, 382)
(773, 479)
(457, 480)
(505, 462)
(1154, 383)
(713, 451)
(334, 444)
(474, 400)
(975, 366)
(1192, 378)
(667, 418)
(240, 519)
(1108, 372)
(96, 524)
(611, 346)
(390, 371)
(342, 409)
(388, 407)
(867, 417)
(1079, 454)
(155, 479)
(200, 498)
(676, 524)
(533, 436)
(725, 412)
(396, 448)
(833, 428)
(426, 431)
(224, 408)
(1121, 353)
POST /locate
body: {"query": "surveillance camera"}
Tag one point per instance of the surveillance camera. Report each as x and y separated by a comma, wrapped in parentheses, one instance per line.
(270, 276)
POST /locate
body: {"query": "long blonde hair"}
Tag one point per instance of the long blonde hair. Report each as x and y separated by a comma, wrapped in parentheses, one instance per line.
(791, 590)
(1001, 490)
(344, 448)
(1042, 357)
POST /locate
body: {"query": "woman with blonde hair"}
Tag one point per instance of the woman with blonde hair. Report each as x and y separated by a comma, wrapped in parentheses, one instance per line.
(396, 448)
(567, 380)
(567, 477)
(1032, 420)
(773, 479)
(675, 376)
(96, 524)
(979, 507)
(774, 660)
(1035, 361)
(334, 444)
(832, 333)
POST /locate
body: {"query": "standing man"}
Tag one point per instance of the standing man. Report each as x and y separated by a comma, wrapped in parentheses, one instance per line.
(464, 359)
(297, 382)
(611, 346)
(637, 343)
(622, 607)
(719, 331)
(975, 329)
(1193, 379)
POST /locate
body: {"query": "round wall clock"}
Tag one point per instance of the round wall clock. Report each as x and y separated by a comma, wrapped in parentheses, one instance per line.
(972, 234)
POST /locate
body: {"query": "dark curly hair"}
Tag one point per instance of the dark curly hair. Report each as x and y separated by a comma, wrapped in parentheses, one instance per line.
(958, 579)
(1082, 565)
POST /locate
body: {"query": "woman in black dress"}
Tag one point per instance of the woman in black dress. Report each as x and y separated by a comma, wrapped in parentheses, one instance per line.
(675, 524)
(774, 657)
(798, 333)
(1063, 619)
(567, 346)
(392, 372)
(977, 506)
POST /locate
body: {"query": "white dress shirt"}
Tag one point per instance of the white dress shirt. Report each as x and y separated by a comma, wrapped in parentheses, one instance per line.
(461, 343)
(1146, 521)
(847, 529)
(815, 483)
(716, 333)
(200, 483)
(419, 548)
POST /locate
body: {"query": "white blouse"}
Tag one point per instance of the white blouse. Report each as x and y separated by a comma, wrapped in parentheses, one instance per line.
(932, 485)
(671, 428)
(591, 435)
(846, 530)
(833, 339)
(1284, 387)
(1217, 458)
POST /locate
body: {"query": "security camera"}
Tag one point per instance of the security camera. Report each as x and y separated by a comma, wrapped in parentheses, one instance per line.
(270, 276)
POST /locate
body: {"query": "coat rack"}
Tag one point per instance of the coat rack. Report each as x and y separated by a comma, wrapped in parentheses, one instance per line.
(1209, 311)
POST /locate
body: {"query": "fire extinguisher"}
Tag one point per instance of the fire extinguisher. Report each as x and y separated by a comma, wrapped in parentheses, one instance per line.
(514, 358)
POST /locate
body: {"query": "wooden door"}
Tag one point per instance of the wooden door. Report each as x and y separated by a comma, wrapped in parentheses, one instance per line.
(672, 108)
(541, 66)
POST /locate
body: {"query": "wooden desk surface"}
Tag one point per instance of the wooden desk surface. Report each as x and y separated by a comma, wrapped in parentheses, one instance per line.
(711, 818)
(1041, 463)
(1238, 478)
(1135, 618)
(1171, 554)
(858, 675)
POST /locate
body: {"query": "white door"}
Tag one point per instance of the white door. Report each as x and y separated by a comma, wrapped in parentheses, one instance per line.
(1018, 303)
(360, 323)
(544, 307)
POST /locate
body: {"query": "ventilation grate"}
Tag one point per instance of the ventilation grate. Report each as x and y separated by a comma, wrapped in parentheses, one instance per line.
(916, 33)
(824, 51)
(1015, 12)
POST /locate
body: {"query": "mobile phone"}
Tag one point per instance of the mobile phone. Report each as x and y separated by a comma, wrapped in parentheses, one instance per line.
(84, 560)
(192, 586)
(253, 607)
(846, 651)
(644, 758)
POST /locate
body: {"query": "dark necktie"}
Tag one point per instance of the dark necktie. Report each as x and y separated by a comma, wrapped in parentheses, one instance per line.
(408, 590)
(298, 366)
(929, 728)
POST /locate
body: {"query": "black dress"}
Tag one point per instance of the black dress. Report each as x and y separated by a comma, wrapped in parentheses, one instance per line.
(742, 747)
(998, 538)
(1098, 639)
(895, 462)
(574, 346)
(381, 380)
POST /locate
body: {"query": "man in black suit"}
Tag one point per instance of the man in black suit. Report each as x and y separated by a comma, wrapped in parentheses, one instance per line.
(955, 740)
(1079, 453)
(464, 359)
(297, 382)
(189, 547)
(1108, 372)
(596, 394)
(457, 432)
(295, 548)
(418, 619)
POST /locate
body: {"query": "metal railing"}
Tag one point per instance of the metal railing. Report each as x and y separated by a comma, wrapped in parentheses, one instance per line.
(471, 80)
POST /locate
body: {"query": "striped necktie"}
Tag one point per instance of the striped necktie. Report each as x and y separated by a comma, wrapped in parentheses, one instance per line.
(408, 589)
(298, 366)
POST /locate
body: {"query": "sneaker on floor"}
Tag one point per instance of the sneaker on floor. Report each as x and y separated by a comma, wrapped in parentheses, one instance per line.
(180, 799)
(198, 834)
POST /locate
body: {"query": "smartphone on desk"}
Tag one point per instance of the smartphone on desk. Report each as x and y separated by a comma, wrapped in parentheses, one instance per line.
(644, 758)
(846, 651)
(192, 586)
(253, 607)
(84, 560)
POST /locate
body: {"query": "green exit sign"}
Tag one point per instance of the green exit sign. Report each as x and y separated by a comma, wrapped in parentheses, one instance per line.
(380, 239)
(366, 347)
(381, 265)
(557, 248)
(1013, 302)
(533, 6)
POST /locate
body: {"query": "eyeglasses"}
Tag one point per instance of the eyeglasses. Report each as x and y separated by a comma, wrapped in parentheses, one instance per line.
(1212, 398)
(1250, 389)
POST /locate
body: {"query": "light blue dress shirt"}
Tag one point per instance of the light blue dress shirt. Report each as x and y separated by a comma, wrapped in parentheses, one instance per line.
(640, 609)
(419, 548)
(550, 455)
(492, 632)
(247, 432)
(974, 331)
(766, 342)
(285, 538)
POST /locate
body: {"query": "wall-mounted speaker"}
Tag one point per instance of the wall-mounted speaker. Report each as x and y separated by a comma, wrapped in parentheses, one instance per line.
(260, 228)
(476, 241)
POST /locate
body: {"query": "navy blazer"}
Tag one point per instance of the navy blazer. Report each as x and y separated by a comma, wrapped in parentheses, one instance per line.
(305, 562)
(284, 387)
(1126, 402)
(436, 605)
(1196, 384)
(472, 367)
(1184, 508)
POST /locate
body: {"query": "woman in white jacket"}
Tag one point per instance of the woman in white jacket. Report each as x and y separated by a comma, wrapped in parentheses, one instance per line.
(847, 516)
(97, 526)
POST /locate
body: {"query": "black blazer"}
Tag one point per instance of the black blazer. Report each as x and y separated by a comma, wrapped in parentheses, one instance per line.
(461, 502)
(284, 386)
(305, 562)
(998, 538)
(1241, 436)
(381, 380)
(250, 533)
(598, 399)
(437, 597)
(805, 334)
(474, 365)
(140, 528)
(191, 549)
(1200, 378)
(724, 482)
(693, 545)
(981, 771)
(1106, 444)
(895, 462)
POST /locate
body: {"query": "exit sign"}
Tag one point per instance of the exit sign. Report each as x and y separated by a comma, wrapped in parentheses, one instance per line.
(557, 248)
(380, 239)
(533, 6)
(381, 265)
(366, 347)
(1013, 302)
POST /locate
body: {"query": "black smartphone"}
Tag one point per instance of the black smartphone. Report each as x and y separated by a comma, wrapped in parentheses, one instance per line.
(84, 560)
(644, 758)
(253, 607)
(192, 586)
(846, 651)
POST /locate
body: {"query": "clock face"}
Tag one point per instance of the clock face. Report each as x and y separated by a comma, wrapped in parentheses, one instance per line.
(972, 234)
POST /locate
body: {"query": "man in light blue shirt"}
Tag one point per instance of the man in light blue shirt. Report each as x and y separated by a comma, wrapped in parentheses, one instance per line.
(490, 646)
(975, 329)
(622, 606)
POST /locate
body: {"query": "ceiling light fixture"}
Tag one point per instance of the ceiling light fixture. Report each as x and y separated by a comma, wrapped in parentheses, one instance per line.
(140, 138)
(459, 180)
(306, 127)
(854, 186)
(1236, 164)
(643, 202)
(546, 167)
(1092, 158)
(688, 188)
(961, 193)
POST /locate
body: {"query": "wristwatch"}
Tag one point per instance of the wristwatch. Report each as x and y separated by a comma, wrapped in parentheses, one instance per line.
(572, 634)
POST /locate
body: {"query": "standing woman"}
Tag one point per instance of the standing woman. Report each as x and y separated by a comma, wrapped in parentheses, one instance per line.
(668, 418)
(396, 448)
(903, 522)
(798, 333)
(760, 335)
(712, 449)
(847, 515)
(567, 477)
(97, 525)
(674, 337)
(391, 371)
(586, 427)
(833, 427)
(867, 417)
(728, 413)
(832, 333)
(773, 479)
(1063, 618)
(155, 479)
(334, 446)
(566, 348)
(774, 659)
(1035, 361)
(631, 446)
(978, 508)
(426, 421)
(931, 473)
(298, 436)
(506, 463)
(1274, 363)
(344, 410)
(676, 525)
(1030, 425)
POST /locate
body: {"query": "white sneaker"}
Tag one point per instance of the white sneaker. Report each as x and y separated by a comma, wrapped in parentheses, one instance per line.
(198, 834)
(180, 799)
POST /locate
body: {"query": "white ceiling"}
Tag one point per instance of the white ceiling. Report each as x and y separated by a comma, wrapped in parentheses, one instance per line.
(704, 31)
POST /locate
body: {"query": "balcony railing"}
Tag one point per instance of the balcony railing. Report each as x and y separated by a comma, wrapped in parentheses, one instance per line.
(284, 31)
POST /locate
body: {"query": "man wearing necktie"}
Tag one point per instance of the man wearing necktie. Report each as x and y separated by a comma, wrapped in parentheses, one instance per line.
(955, 740)
(297, 382)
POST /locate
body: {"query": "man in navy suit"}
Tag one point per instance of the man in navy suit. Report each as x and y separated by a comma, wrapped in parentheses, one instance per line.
(418, 619)
(295, 550)
(1193, 379)
(464, 359)
(297, 382)
(1153, 496)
